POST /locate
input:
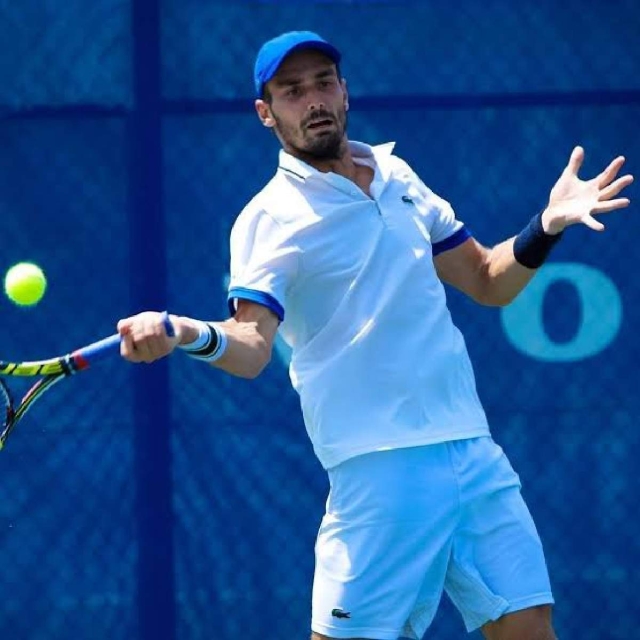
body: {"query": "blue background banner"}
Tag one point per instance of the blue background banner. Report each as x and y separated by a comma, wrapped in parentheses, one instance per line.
(172, 501)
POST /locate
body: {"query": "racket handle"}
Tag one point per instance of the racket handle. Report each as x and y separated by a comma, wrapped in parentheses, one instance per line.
(109, 346)
(168, 325)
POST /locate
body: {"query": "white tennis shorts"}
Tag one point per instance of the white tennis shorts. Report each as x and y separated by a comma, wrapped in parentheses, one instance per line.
(403, 525)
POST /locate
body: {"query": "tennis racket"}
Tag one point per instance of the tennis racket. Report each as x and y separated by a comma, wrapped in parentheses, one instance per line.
(51, 372)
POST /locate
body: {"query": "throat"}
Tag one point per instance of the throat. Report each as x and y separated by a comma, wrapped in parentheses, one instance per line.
(363, 177)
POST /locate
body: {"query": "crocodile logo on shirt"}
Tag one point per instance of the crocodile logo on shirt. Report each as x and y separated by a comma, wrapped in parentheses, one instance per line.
(339, 613)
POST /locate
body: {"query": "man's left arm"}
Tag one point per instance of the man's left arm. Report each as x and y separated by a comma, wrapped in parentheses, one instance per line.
(495, 276)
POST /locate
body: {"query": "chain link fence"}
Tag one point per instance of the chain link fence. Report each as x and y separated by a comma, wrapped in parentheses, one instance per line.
(485, 100)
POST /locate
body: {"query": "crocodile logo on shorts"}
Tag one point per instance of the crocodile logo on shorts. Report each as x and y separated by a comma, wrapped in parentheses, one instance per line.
(339, 613)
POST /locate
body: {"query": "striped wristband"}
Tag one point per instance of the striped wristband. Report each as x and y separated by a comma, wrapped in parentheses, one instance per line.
(210, 344)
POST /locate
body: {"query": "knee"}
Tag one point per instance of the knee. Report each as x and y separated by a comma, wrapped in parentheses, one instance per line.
(529, 624)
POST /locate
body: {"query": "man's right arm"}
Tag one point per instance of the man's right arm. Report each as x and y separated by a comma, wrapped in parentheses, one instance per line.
(250, 335)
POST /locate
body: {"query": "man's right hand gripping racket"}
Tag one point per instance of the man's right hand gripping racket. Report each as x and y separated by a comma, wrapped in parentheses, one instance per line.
(50, 372)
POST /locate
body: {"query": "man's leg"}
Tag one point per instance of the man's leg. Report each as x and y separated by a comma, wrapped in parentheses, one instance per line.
(529, 624)
(497, 575)
(383, 547)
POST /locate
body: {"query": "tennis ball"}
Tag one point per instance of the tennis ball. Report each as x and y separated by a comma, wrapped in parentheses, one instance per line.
(25, 284)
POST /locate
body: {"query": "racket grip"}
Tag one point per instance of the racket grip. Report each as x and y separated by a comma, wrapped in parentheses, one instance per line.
(168, 325)
(110, 346)
(97, 351)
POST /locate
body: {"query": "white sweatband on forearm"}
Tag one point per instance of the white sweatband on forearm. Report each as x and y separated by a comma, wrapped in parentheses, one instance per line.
(210, 344)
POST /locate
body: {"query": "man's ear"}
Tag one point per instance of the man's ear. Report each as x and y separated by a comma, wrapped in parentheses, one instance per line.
(264, 113)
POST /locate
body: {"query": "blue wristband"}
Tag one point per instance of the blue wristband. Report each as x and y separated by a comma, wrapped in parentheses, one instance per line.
(532, 245)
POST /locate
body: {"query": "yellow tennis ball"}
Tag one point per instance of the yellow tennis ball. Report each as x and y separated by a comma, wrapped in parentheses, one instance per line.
(25, 284)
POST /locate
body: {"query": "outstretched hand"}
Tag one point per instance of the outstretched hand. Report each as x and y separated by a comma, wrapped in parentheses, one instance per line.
(574, 201)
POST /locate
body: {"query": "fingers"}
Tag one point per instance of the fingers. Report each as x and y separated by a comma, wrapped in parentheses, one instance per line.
(615, 187)
(575, 161)
(144, 337)
(592, 223)
(124, 326)
(127, 347)
(611, 205)
(604, 178)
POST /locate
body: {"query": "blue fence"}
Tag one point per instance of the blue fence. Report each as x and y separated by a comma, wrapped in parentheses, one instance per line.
(171, 501)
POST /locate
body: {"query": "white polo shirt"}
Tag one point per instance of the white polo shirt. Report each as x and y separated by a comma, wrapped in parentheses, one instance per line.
(376, 358)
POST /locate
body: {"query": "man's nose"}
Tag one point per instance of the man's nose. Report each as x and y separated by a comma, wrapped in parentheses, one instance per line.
(315, 103)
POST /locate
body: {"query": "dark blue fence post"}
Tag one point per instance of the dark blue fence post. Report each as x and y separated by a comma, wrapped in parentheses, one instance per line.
(156, 599)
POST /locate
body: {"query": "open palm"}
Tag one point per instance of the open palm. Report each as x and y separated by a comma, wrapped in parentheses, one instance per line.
(574, 201)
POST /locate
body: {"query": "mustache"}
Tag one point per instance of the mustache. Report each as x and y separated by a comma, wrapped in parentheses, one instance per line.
(316, 117)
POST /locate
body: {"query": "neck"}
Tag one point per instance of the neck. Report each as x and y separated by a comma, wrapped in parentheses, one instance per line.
(342, 165)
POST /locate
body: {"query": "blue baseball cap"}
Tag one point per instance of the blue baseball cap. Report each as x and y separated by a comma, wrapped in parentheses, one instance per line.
(274, 51)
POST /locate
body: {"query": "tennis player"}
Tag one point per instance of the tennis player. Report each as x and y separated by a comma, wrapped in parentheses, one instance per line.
(345, 252)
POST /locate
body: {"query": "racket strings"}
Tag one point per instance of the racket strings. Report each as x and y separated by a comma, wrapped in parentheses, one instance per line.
(11, 414)
(6, 411)
(51, 371)
(34, 393)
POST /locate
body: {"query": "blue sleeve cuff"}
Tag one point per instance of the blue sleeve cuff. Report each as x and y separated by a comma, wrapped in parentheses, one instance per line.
(460, 236)
(259, 297)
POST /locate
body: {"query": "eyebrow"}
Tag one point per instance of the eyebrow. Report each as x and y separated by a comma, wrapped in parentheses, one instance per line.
(288, 82)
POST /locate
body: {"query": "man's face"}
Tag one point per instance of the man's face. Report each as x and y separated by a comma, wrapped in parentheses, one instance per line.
(307, 106)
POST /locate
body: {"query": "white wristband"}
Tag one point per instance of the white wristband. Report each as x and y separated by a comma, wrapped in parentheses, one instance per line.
(210, 344)
(222, 344)
(203, 339)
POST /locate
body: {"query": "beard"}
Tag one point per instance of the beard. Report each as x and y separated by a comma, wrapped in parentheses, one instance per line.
(305, 143)
(328, 145)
